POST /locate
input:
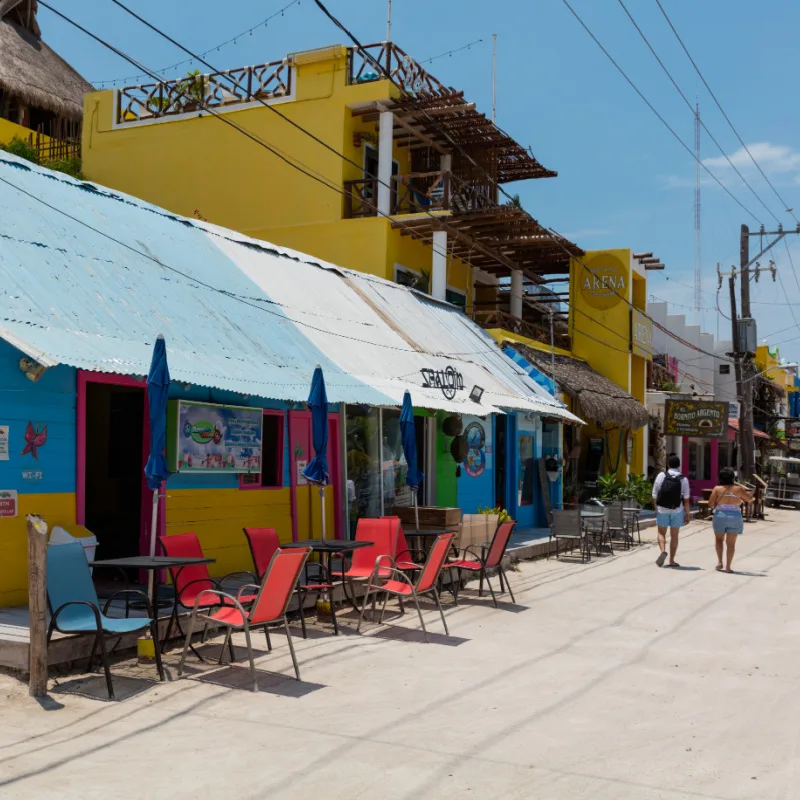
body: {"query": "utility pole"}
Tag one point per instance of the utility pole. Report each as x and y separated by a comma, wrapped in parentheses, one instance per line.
(737, 364)
(746, 439)
(389, 22)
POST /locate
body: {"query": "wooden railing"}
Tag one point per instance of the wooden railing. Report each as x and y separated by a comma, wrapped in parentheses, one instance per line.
(508, 322)
(51, 149)
(396, 62)
(415, 193)
(194, 92)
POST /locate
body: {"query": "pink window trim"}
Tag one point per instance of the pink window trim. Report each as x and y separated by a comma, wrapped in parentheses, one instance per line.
(248, 487)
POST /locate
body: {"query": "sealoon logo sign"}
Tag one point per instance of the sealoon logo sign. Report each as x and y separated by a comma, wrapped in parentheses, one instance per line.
(448, 380)
(604, 282)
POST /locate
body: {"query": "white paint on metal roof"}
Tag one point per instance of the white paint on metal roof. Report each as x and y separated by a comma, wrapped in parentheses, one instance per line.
(91, 276)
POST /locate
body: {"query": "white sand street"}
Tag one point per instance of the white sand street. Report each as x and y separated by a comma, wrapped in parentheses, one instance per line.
(614, 679)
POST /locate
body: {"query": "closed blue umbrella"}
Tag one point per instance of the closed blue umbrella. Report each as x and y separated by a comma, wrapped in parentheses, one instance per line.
(408, 436)
(156, 468)
(316, 470)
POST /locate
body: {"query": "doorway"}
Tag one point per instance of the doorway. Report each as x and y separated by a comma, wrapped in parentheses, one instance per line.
(112, 448)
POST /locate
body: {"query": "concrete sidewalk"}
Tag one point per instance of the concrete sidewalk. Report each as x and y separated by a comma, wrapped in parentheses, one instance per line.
(613, 680)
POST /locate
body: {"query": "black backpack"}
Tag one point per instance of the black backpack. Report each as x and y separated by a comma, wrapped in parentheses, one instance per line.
(669, 495)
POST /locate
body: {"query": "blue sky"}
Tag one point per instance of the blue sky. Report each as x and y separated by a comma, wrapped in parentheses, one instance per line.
(623, 179)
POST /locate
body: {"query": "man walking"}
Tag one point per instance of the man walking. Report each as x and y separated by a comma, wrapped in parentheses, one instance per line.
(670, 492)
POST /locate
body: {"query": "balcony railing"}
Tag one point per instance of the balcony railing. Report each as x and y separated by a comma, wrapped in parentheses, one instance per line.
(415, 193)
(508, 322)
(217, 90)
(403, 69)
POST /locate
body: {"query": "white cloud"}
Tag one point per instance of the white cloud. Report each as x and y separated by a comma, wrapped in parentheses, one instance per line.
(773, 158)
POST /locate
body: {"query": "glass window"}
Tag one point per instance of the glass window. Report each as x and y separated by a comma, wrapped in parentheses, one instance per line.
(725, 455)
(525, 469)
(456, 298)
(271, 475)
(393, 464)
(363, 464)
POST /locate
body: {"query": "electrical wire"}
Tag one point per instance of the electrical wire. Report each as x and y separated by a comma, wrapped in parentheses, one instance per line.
(693, 110)
(451, 52)
(435, 123)
(215, 48)
(654, 110)
(722, 110)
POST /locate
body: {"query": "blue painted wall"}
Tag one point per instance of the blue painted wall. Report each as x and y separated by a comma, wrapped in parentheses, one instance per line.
(51, 401)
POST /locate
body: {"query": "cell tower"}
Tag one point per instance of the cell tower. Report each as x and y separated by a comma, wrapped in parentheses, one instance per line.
(697, 290)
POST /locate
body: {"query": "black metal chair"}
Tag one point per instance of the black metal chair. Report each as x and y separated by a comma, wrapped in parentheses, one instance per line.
(566, 527)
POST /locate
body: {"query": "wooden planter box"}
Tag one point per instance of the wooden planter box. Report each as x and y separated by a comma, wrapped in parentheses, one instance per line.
(430, 516)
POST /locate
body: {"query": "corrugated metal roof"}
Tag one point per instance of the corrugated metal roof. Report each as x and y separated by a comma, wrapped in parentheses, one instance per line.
(90, 277)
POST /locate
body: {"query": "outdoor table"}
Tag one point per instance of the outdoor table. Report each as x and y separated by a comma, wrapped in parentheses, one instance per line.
(592, 514)
(154, 564)
(425, 536)
(327, 548)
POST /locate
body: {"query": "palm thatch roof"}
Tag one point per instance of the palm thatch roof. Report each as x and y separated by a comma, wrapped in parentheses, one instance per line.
(30, 69)
(599, 397)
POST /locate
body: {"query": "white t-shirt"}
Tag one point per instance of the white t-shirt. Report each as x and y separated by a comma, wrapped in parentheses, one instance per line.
(685, 493)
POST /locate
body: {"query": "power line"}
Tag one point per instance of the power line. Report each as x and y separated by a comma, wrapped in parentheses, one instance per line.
(689, 105)
(722, 110)
(451, 52)
(248, 32)
(653, 109)
(490, 178)
(299, 127)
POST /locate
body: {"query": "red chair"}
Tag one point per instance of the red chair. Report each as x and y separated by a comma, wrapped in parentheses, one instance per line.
(397, 583)
(191, 581)
(268, 608)
(264, 543)
(490, 557)
(404, 558)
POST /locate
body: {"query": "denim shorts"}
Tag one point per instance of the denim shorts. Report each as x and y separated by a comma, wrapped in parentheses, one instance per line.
(671, 519)
(728, 520)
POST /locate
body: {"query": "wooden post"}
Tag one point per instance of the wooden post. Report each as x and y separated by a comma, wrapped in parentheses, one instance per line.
(37, 604)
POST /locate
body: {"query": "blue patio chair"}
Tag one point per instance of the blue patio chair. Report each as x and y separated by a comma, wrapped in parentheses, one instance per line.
(74, 607)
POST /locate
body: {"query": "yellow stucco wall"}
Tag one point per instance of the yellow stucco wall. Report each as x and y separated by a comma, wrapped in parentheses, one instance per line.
(8, 130)
(770, 364)
(199, 163)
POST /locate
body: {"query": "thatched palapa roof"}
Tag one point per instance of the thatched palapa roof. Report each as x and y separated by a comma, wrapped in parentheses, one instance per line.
(30, 69)
(599, 397)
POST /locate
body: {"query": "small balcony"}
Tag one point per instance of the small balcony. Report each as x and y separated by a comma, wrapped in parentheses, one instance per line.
(415, 193)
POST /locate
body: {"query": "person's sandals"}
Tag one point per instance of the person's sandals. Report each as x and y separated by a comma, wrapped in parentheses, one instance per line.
(676, 564)
(661, 559)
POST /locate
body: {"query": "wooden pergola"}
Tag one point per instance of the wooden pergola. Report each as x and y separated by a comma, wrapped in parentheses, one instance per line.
(498, 240)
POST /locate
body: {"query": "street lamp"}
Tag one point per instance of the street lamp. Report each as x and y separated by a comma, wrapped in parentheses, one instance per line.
(775, 366)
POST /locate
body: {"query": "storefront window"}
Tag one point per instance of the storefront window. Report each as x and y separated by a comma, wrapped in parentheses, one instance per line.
(525, 471)
(363, 464)
(699, 460)
(393, 463)
(725, 455)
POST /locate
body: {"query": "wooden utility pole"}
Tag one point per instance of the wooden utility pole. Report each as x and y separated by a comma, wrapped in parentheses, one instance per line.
(737, 363)
(746, 438)
(37, 604)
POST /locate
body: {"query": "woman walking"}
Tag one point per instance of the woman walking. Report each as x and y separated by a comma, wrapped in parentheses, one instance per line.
(726, 501)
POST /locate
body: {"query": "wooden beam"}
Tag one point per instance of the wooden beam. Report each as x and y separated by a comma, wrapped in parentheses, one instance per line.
(37, 604)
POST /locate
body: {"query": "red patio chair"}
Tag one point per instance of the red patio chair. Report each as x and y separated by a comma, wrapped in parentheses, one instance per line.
(382, 535)
(268, 608)
(490, 557)
(397, 583)
(404, 558)
(189, 582)
(264, 543)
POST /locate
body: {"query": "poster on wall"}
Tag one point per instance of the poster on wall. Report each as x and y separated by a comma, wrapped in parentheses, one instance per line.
(478, 433)
(3, 442)
(215, 438)
(699, 418)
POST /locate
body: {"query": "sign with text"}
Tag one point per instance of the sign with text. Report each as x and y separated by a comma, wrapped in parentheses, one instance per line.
(701, 418)
(214, 438)
(8, 502)
(641, 334)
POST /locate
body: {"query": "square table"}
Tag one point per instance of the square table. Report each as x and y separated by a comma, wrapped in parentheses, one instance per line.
(154, 564)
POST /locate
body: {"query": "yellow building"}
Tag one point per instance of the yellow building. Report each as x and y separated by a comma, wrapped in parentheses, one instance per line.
(392, 193)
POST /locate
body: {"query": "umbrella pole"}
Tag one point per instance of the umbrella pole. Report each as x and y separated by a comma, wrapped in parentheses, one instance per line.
(416, 508)
(153, 533)
(322, 504)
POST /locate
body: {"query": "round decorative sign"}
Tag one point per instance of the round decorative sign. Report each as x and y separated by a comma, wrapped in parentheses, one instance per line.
(604, 283)
(476, 453)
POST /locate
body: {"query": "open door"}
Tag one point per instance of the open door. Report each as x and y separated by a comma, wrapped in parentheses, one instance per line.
(306, 511)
